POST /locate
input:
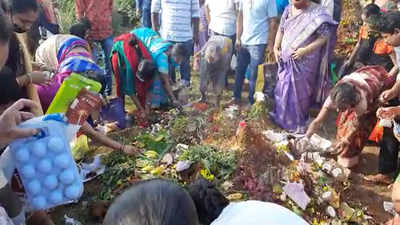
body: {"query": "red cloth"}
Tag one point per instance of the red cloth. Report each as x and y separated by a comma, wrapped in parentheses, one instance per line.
(132, 57)
(99, 13)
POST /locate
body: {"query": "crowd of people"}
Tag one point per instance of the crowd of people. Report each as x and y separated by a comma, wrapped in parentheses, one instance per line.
(299, 36)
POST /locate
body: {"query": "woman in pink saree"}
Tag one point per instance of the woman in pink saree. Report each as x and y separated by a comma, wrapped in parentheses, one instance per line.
(301, 49)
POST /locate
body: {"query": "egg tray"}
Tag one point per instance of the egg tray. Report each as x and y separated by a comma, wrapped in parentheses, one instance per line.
(46, 166)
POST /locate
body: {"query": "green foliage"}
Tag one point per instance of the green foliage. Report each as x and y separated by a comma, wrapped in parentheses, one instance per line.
(120, 168)
(159, 142)
(220, 163)
(67, 14)
(126, 7)
(258, 110)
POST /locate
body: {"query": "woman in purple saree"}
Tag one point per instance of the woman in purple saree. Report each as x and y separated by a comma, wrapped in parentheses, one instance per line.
(301, 49)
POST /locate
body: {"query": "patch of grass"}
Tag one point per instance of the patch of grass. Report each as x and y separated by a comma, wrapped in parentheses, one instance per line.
(220, 163)
(119, 172)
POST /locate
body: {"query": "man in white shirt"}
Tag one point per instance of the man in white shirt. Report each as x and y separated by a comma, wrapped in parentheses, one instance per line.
(256, 28)
(179, 24)
(221, 17)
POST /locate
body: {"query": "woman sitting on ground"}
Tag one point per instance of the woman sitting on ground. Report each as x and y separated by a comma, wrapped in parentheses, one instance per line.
(153, 202)
(68, 54)
(355, 97)
(213, 208)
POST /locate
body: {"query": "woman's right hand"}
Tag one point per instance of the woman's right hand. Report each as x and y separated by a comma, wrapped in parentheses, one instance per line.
(387, 95)
(39, 78)
(387, 113)
(131, 150)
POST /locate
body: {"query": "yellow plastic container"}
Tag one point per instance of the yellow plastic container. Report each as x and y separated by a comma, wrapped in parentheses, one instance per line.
(260, 78)
(69, 90)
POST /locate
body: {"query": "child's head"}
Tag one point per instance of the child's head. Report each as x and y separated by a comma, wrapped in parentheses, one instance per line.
(370, 10)
(389, 27)
(81, 29)
(208, 199)
(156, 202)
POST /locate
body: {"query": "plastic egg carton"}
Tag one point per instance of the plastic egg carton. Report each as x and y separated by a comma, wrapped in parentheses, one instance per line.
(46, 166)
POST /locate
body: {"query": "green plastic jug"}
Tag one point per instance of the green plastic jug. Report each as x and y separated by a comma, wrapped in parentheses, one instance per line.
(69, 90)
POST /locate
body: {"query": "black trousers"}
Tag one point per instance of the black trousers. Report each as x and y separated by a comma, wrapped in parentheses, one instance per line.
(389, 152)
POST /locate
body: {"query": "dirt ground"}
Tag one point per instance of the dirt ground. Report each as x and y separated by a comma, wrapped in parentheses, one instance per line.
(360, 192)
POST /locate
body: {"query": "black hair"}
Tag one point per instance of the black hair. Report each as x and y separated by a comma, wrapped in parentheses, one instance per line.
(370, 10)
(178, 50)
(5, 28)
(147, 69)
(152, 202)
(208, 199)
(344, 93)
(389, 23)
(22, 6)
(80, 28)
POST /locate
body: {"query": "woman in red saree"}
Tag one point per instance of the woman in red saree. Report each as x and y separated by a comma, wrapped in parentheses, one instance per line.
(355, 97)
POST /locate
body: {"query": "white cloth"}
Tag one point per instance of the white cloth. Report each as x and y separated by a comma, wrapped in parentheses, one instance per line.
(397, 52)
(257, 213)
(176, 18)
(46, 53)
(7, 167)
(223, 16)
(4, 219)
(329, 5)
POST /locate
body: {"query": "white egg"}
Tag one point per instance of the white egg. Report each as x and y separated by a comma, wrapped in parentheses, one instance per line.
(55, 144)
(56, 197)
(51, 182)
(39, 202)
(39, 149)
(67, 177)
(62, 161)
(74, 191)
(45, 166)
(34, 187)
(28, 171)
(22, 155)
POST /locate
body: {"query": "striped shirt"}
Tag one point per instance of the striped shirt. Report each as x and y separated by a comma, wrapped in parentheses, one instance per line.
(176, 18)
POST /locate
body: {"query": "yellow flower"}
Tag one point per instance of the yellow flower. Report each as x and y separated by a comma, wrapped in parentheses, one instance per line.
(151, 154)
(207, 174)
(147, 169)
(157, 171)
(235, 197)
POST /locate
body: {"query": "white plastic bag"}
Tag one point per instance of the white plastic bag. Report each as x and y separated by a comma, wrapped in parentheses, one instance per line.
(4, 219)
